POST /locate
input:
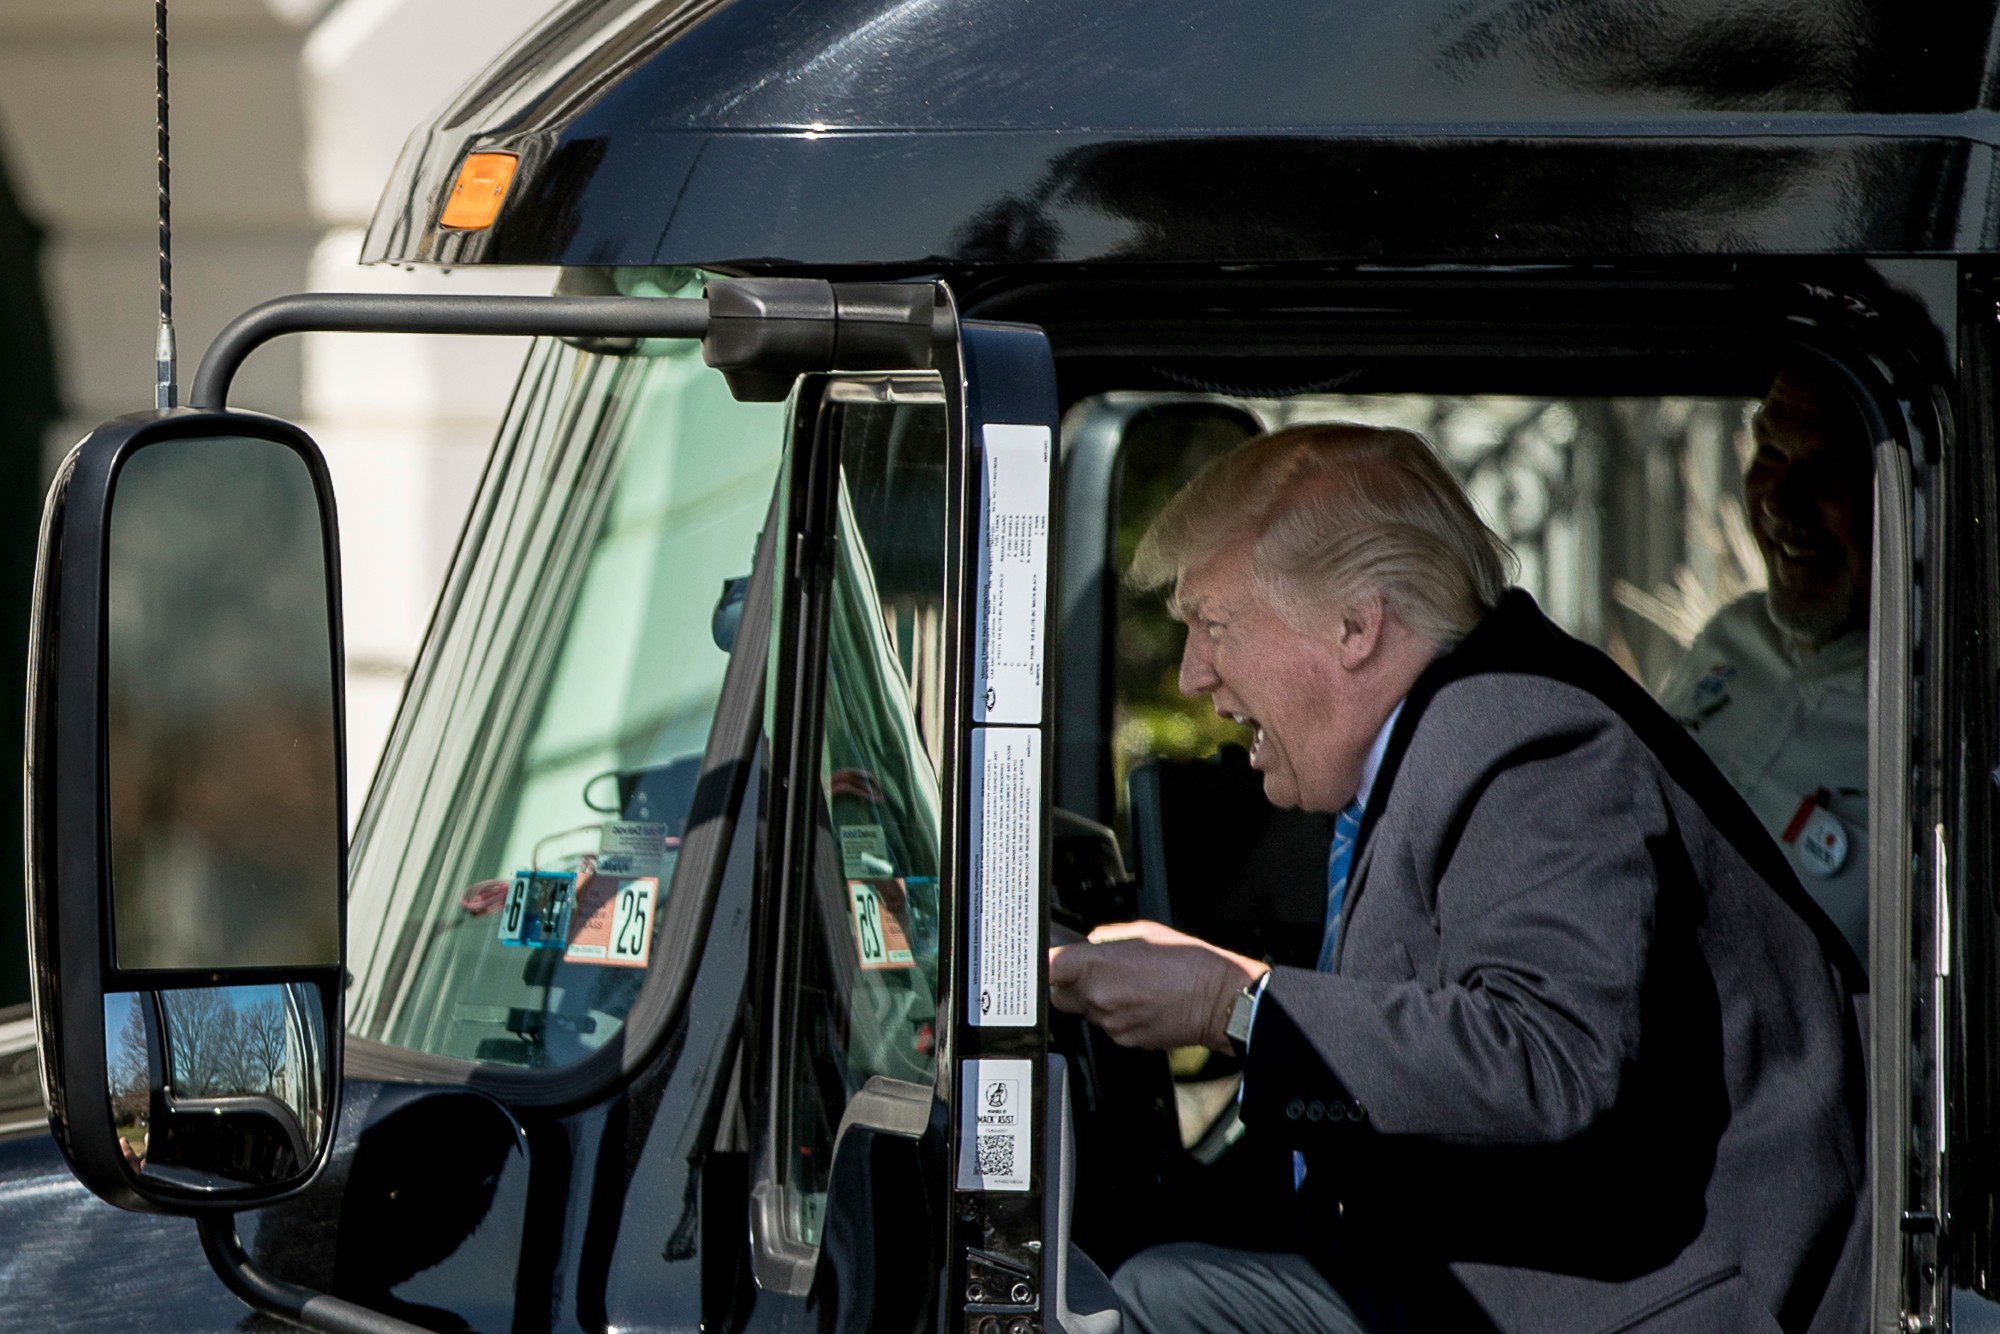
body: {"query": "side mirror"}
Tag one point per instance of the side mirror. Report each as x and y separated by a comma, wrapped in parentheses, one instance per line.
(187, 850)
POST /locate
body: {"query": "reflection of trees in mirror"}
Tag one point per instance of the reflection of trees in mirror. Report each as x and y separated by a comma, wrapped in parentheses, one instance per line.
(129, 1070)
(209, 1043)
(212, 1085)
(227, 1042)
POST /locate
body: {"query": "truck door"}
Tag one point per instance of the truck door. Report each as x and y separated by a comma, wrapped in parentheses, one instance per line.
(903, 1090)
(640, 978)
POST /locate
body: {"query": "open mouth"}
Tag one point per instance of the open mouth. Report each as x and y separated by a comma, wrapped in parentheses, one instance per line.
(1256, 746)
(1794, 545)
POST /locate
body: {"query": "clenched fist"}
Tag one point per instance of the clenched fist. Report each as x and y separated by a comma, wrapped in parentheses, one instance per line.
(1148, 985)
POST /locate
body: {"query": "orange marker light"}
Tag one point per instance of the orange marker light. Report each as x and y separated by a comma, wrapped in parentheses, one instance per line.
(482, 186)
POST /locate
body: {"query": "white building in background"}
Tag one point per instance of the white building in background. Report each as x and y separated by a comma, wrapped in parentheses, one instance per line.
(76, 123)
(287, 116)
(405, 420)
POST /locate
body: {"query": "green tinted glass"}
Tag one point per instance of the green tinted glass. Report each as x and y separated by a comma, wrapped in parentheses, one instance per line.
(861, 991)
(525, 823)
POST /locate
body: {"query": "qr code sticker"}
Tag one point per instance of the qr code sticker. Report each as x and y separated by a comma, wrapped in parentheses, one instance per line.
(996, 1155)
(996, 1128)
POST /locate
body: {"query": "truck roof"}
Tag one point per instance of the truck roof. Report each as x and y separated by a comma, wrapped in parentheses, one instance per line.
(920, 135)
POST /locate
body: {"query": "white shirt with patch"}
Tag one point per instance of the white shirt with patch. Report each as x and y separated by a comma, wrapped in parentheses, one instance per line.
(1790, 732)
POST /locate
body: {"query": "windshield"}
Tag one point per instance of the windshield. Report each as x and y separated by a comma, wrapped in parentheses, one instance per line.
(526, 820)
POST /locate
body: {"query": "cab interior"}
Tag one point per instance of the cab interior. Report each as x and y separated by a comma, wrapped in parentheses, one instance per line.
(1606, 440)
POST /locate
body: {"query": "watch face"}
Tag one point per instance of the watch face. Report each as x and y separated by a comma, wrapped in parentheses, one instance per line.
(1239, 1017)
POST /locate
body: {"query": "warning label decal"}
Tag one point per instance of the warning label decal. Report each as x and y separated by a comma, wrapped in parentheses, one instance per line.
(1006, 904)
(1013, 575)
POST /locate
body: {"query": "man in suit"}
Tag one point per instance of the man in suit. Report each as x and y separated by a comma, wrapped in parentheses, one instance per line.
(1579, 1054)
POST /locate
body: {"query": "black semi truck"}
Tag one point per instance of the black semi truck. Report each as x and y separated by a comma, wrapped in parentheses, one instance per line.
(686, 968)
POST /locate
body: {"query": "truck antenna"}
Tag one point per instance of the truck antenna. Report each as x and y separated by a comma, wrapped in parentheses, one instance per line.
(164, 391)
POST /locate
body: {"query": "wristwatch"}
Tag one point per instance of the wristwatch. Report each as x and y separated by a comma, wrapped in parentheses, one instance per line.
(1242, 1015)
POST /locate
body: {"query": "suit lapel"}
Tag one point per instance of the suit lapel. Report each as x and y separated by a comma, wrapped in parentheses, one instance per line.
(1379, 796)
(1466, 658)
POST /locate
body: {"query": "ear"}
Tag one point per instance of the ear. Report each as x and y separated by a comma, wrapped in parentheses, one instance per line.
(1359, 630)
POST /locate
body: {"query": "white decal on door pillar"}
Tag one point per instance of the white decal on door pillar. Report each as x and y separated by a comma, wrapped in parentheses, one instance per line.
(1013, 574)
(1006, 905)
(995, 1128)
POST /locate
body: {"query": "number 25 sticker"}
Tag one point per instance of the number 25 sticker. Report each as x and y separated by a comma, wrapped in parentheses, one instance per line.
(613, 922)
(631, 925)
(878, 927)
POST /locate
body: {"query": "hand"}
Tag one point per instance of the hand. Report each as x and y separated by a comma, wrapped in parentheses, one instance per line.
(1150, 986)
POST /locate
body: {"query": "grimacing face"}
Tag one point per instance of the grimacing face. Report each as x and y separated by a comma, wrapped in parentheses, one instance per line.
(1272, 676)
(1810, 490)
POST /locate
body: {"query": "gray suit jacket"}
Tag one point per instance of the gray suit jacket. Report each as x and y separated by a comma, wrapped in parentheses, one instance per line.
(1588, 1058)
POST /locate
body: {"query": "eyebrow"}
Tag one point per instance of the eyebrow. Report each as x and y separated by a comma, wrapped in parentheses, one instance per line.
(1198, 610)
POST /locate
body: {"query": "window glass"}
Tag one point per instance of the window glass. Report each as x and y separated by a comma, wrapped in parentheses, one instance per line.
(860, 985)
(525, 822)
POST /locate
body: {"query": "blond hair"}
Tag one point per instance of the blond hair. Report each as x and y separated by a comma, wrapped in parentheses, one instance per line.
(1337, 511)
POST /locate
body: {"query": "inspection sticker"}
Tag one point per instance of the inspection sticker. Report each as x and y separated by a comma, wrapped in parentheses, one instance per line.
(879, 934)
(1006, 904)
(613, 921)
(537, 910)
(864, 852)
(995, 1130)
(1013, 575)
(631, 849)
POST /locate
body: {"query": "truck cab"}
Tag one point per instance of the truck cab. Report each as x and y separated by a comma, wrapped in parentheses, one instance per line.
(785, 702)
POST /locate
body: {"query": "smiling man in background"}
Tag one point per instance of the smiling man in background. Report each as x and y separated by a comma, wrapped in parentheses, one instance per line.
(1775, 688)
(1575, 1055)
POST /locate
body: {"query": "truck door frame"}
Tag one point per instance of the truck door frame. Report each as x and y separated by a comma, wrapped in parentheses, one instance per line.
(992, 375)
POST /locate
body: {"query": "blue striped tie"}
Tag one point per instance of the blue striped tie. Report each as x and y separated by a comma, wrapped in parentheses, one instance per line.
(1345, 826)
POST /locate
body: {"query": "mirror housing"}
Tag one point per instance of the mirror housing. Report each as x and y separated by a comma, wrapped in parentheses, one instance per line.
(186, 816)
